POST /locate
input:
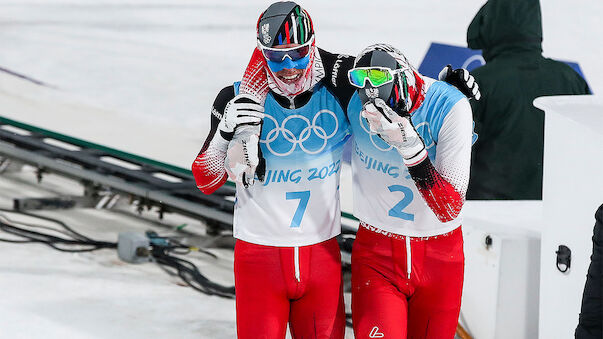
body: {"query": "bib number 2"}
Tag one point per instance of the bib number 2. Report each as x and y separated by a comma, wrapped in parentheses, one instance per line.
(398, 210)
(304, 197)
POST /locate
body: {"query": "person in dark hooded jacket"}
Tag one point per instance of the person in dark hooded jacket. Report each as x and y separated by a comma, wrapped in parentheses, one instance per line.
(590, 321)
(507, 157)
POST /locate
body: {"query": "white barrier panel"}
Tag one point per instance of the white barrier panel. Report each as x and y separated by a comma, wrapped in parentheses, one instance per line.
(573, 189)
(500, 293)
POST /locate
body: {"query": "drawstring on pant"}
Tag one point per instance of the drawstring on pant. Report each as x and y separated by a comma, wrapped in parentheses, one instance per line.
(408, 258)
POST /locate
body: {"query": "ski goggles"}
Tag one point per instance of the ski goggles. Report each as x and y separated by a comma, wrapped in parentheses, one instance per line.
(293, 53)
(288, 64)
(377, 76)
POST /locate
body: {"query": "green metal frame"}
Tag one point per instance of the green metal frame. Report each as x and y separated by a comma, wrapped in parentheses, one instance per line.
(113, 151)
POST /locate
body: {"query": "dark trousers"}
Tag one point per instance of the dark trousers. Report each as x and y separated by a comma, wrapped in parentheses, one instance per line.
(590, 324)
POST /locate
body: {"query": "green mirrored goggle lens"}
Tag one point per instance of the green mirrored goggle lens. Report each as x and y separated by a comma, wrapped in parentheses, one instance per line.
(376, 77)
(357, 77)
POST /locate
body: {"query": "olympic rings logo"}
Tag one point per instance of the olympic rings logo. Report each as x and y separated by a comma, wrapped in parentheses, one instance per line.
(304, 141)
(373, 137)
(423, 130)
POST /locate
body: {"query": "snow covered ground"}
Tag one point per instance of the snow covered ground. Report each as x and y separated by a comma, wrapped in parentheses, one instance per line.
(140, 75)
(46, 293)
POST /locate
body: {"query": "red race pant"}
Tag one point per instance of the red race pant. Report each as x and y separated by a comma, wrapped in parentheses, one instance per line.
(387, 304)
(269, 294)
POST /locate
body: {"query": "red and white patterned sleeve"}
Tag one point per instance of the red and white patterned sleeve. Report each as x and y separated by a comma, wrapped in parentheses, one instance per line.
(255, 79)
(208, 167)
(444, 185)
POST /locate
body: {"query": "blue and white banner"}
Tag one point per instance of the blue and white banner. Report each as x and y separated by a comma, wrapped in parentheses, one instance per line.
(439, 55)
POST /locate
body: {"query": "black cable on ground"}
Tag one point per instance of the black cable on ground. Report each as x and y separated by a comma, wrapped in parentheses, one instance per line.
(161, 249)
(190, 274)
(76, 235)
(56, 242)
(16, 241)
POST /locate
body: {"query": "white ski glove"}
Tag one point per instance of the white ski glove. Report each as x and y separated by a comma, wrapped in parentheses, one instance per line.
(396, 130)
(243, 158)
(462, 80)
(242, 110)
(242, 123)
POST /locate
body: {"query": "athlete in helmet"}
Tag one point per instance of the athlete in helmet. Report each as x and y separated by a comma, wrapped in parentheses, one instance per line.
(287, 261)
(412, 150)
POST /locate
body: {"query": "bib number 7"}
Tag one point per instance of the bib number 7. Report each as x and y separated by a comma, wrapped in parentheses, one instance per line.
(304, 197)
(398, 210)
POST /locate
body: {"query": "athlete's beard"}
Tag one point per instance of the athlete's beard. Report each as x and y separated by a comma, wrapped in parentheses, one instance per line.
(304, 83)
